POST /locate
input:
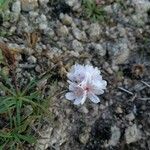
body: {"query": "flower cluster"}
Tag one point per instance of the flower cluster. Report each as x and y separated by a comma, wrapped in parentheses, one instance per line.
(85, 82)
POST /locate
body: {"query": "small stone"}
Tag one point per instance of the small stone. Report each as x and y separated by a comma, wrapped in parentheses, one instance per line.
(79, 35)
(115, 136)
(62, 31)
(43, 26)
(27, 110)
(38, 69)
(94, 32)
(16, 7)
(76, 45)
(107, 68)
(141, 5)
(28, 5)
(71, 3)
(130, 117)
(119, 51)
(5, 71)
(28, 51)
(132, 134)
(43, 2)
(84, 136)
(12, 29)
(66, 19)
(31, 59)
(139, 18)
(84, 110)
(119, 110)
(42, 84)
(115, 68)
(100, 50)
(33, 15)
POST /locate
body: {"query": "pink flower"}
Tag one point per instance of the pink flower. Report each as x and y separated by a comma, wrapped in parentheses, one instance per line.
(85, 82)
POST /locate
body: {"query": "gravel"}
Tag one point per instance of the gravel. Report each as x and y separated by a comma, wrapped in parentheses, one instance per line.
(65, 37)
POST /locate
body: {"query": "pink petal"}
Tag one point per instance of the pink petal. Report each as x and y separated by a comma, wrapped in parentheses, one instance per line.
(93, 98)
(70, 96)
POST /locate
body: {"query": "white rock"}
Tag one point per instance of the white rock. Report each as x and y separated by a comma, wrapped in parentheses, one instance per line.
(43, 2)
(130, 117)
(94, 32)
(140, 18)
(132, 134)
(43, 26)
(115, 136)
(66, 19)
(71, 3)
(119, 51)
(16, 7)
(79, 35)
(62, 31)
(77, 46)
(141, 5)
(31, 59)
(100, 50)
(28, 5)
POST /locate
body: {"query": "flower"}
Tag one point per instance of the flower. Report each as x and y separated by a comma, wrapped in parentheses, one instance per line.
(85, 82)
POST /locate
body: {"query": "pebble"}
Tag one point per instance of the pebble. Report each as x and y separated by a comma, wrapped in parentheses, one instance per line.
(16, 7)
(63, 31)
(119, 51)
(77, 46)
(66, 19)
(84, 136)
(71, 3)
(28, 5)
(132, 134)
(141, 6)
(79, 35)
(94, 32)
(115, 136)
(119, 110)
(43, 2)
(130, 117)
(107, 68)
(84, 110)
(31, 59)
(99, 49)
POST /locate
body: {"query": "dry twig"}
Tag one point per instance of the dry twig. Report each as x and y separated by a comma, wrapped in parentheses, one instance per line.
(127, 91)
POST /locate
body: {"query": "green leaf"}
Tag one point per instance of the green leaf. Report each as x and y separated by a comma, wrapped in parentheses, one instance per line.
(5, 135)
(18, 117)
(33, 103)
(6, 89)
(6, 105)
(23, 127)
(2, 2)
(1, 55)
(27, 138)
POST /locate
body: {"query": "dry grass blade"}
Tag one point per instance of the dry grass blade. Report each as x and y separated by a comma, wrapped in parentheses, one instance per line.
(32, 38)
(125, 90)
(8, 55)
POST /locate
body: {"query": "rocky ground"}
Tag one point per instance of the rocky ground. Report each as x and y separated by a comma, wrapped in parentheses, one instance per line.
(52, 36)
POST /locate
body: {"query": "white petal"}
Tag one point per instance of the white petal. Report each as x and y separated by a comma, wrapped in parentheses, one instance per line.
(72, 86)
(101, 84)
(93, 98)
(70, 96)
(84, 97)
(77, 101)
(98, 91)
